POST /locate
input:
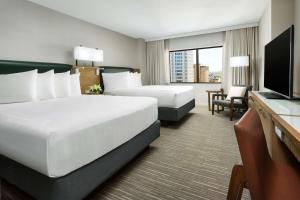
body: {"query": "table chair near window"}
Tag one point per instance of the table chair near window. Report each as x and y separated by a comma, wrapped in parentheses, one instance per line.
(235, 100)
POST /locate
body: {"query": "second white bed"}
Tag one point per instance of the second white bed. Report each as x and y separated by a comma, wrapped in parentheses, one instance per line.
(167, 96)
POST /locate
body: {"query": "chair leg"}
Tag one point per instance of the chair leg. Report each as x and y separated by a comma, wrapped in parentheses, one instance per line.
(237, 183)
(231, 112)
(213, 109)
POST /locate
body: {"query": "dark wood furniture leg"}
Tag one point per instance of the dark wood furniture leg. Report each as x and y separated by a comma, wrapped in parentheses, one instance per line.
(218, 107)
(208, 95)
(222, 92)
(231, 107)
(231, 112)
(237, 183)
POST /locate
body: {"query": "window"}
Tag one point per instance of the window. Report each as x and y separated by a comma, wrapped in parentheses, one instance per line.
(196, 65)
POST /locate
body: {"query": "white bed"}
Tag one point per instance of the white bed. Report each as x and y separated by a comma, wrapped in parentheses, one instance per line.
(167, 96)
(56, 137)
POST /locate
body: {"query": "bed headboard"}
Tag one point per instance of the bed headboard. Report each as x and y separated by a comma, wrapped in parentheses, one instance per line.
(11, 66)
(110, 69)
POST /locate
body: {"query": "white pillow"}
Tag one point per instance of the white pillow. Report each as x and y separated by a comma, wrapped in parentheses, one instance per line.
(62, 84)
(75, 85)
(45, 85)
(135, 80)
(18, 87)
(236, 91)
(113, 81)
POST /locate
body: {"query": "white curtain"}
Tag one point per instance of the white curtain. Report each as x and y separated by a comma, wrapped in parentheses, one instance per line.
(241, 42)
(157, 63)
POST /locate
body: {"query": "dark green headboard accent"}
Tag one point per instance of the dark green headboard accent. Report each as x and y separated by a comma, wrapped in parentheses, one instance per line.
(110, 69)
(11, 66)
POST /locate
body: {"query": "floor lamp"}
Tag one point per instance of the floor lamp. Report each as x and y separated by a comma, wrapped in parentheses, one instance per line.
(238, 62)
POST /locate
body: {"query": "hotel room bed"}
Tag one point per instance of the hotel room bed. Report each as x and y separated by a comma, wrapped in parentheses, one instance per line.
(173, 101)
(65, 148)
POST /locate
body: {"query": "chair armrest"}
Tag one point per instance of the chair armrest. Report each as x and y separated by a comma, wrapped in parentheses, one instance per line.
(237, 98)
(234, 98)
(214, 91)
(219, 95)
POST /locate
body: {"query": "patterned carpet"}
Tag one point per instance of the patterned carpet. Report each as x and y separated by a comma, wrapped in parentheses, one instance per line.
(191, 160)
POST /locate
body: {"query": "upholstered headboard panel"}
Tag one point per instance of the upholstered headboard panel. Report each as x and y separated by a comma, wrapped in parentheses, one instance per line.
(11, 66)
(110, 69)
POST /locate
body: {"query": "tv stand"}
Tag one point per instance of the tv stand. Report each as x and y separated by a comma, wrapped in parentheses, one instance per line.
(271, 95)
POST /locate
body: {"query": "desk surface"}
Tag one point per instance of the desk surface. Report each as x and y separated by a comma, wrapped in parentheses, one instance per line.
(291, 127)
(291, 124)
(293, 121)
(281, 106)
(285, 115)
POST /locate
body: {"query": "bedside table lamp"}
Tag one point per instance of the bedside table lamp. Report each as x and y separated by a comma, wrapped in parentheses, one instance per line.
(82, 53)
(97, 57)
(88, 54)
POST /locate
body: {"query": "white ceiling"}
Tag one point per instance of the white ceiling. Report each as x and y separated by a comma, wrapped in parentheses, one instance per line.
(150, 19)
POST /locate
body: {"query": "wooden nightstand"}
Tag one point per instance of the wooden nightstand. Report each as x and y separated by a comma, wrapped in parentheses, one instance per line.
(89, 93)
(88, 77)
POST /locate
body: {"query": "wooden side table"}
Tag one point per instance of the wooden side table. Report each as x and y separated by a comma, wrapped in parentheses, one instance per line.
(209, 93)
(88, 77)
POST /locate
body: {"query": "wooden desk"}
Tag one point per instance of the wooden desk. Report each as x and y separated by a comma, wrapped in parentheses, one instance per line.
(290, 127)
(281, 124)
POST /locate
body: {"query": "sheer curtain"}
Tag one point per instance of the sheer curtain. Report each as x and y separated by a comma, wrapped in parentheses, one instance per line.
(241, 42)
(158, 62)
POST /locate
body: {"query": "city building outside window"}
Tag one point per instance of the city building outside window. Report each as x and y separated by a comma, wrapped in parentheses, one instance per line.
(203, 65)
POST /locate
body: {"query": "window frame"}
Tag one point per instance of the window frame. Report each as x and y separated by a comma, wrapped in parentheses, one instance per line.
(197, 64)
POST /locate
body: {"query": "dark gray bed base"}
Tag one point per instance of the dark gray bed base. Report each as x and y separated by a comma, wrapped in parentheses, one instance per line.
(81, 182)
(175, 114)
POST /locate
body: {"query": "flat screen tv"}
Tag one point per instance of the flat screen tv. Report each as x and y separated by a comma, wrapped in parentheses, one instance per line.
(279, 64)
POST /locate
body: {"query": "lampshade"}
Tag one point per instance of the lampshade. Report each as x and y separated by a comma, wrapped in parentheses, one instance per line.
(82, 53)
(239, 61)
(97, 55)
(88, 54)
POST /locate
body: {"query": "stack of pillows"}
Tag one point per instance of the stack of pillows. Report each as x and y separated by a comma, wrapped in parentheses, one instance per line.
(121, 80)
(34, 86)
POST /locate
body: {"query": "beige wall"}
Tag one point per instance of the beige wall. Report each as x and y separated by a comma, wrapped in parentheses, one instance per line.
(278, 16)
(282, 16)
(141, 56)
(297, 49)
(265, 36)
(35, 33)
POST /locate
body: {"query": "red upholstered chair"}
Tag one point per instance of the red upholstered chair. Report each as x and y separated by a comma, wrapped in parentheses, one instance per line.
(265, 178)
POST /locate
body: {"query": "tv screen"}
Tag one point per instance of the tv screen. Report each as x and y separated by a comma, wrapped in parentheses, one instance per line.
(279, 64)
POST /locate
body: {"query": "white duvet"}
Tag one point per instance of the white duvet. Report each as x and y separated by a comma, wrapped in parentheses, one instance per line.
(56, 137)
(167, 96)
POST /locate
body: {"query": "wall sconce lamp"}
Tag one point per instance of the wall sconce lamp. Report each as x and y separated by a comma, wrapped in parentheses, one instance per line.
(88, 54)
